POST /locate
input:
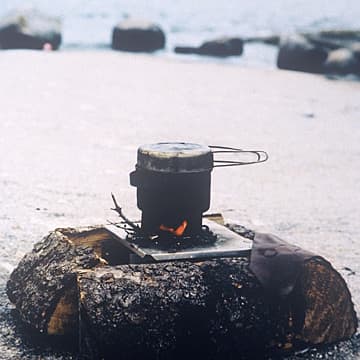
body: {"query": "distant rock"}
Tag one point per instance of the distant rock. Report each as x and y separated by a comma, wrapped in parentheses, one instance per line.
(221, 47)
(264, 39)
(297, 53)
(335, 39)
(342, 48)
(329, 44)
(350, 35)
(324, 42)
(137, 36)
(186, 50)
(355, 48)
(30, 29)
(342, 61)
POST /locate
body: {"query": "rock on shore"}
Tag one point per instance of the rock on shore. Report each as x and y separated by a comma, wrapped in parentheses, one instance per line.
(137, 36)
(30, 29)
(297, 53)
(323, 52)
(222, 47)
(355, 48)
(342, 61)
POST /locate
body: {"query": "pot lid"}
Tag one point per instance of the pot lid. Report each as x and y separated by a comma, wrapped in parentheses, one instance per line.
(175, 157)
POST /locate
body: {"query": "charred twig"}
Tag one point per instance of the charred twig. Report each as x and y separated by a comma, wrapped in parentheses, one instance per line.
(118, 209)
(124, 226)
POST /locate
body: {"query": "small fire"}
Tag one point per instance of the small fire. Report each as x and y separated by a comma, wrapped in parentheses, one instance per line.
(179, 231)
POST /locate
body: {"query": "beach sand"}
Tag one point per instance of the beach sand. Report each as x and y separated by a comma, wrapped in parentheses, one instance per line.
(70, 124)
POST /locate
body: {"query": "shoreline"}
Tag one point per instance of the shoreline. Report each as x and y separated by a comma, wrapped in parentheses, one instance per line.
(256, 55)
(240, 62)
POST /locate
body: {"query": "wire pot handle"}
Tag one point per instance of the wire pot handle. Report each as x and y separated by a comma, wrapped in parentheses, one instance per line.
(262, 156)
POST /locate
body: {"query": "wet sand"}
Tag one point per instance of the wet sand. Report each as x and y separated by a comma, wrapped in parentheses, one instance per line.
(70, 124)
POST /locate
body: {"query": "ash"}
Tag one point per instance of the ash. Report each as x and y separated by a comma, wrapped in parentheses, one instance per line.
(171, 243)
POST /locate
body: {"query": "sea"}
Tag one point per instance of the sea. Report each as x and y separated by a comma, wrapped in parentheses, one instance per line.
(87, 24)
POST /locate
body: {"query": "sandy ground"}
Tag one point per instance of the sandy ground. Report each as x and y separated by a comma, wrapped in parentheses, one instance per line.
(70, 124)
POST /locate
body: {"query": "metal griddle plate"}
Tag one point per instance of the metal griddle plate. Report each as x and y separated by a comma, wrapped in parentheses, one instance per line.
(228, 244)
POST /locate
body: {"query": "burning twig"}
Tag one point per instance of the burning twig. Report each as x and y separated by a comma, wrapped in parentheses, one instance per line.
(118, 209)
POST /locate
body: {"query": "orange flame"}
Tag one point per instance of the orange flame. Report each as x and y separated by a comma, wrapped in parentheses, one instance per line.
(179, 231)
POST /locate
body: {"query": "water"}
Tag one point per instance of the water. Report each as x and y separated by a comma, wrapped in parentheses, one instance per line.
(88, 23)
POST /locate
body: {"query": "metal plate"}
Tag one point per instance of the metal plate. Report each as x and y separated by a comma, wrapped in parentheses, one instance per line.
(228, 244)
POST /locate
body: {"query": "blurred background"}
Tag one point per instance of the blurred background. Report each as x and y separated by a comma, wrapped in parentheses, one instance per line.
(87, 24)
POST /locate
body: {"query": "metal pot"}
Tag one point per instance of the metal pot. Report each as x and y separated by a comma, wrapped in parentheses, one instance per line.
(173, 184)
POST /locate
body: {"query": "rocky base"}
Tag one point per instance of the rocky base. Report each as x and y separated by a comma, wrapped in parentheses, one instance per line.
(74, 284)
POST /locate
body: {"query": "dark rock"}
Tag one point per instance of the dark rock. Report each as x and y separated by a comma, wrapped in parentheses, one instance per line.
(342, 61)
(297, 53)
(186, 50)
(30, 29)
(309, 115)
(219, 47)
(324, 42)
(352, 35)
(137, 36)
(264, 39)
(335, 39)
(355, 48)
(222, 47)
(348, 44)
